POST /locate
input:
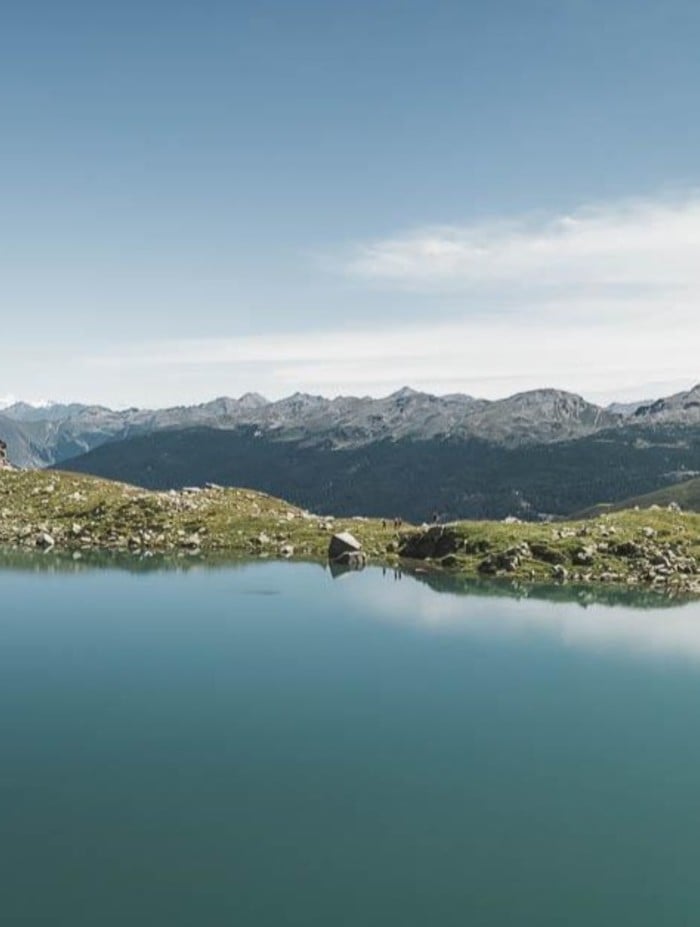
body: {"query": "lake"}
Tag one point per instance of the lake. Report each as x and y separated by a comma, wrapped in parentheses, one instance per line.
(265, 745)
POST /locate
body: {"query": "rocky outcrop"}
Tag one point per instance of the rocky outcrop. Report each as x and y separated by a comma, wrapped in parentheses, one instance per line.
(506, 561)
(432, 544)
(4, 462)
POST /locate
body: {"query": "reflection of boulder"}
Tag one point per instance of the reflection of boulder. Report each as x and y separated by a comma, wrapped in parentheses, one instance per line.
(345, 554)
(341, 544)
(355, 559)
(434, 543)
(348, 563)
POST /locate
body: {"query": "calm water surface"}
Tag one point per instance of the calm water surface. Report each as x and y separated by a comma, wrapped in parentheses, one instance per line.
(265, 746)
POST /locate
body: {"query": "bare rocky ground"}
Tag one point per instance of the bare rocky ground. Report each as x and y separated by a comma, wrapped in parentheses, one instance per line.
(41, 510)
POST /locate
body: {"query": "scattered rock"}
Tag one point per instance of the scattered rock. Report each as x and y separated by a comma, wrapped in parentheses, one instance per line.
(506, 561)
(434, 543)
(545, 553)
(629, 549)
(584, 556)
(477, 546)
(488, 566)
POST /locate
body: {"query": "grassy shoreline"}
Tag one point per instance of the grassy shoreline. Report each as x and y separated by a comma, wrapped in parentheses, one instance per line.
(63, 511)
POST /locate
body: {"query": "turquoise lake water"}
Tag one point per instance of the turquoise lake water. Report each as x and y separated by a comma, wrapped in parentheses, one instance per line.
(265, 746)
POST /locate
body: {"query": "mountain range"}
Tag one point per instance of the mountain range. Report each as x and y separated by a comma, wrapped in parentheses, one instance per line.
(542, 452)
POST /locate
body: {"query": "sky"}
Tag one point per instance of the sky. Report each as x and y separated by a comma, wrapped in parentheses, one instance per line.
(348, 196)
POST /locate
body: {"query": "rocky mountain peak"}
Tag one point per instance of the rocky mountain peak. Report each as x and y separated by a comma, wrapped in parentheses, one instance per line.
(405, 393)
(681, 407)
(252, 401)
(38, 437)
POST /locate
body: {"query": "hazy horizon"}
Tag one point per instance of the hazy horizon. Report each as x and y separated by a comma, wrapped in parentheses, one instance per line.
(632, 396)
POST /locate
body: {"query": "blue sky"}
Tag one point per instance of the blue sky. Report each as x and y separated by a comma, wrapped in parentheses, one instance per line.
(204, 199)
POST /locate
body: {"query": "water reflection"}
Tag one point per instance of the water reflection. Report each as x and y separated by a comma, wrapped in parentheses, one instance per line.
(61, 561)
(601, 617)
(582, 594)
(591, 618)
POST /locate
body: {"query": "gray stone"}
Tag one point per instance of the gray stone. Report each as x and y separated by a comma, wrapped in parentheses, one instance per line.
(505, 561)
(584, 556)
(343, 543)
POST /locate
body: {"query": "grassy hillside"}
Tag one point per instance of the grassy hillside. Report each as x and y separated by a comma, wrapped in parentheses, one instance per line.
(50, 510)
(73, 511)
(685, 494)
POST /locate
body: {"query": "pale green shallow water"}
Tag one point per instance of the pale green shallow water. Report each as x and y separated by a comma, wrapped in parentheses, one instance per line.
(264, 746)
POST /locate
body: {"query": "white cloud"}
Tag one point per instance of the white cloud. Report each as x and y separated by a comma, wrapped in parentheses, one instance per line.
(643, 252)
(604, 302)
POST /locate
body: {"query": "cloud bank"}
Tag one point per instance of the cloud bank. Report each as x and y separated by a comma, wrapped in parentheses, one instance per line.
(626, 252)
(489, 358)
(603, 301)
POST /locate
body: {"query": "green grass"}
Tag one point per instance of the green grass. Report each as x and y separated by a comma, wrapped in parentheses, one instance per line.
(685, 494)
(609, 532)
(83, 513)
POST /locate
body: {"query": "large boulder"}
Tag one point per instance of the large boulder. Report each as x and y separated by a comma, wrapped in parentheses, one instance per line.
(343, 544)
